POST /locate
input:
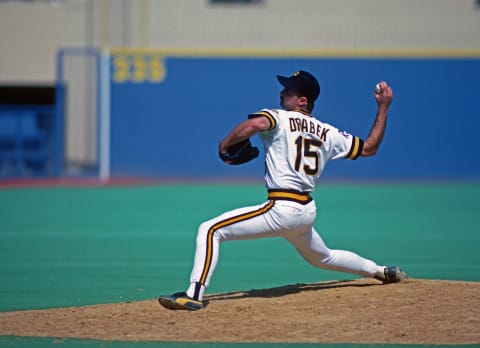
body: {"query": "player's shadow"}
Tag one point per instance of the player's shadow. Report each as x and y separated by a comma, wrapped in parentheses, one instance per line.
(287, 290)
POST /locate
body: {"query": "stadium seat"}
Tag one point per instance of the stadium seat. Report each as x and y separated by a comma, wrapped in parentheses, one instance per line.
(23, 145)
(9, 149)
(33, 144)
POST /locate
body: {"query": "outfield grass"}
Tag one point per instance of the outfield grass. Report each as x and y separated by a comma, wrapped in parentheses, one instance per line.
(73, 246)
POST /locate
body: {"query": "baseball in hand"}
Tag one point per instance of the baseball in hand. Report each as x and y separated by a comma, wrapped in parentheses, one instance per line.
(378, 88)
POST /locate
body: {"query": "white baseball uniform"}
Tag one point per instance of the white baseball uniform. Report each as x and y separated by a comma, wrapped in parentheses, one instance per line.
(297, 148)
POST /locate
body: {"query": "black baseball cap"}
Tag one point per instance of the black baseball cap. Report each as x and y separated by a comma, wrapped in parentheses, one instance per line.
(302, 83)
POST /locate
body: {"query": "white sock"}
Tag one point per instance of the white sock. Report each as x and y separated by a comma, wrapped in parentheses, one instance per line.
(381, 272)
(196, 291)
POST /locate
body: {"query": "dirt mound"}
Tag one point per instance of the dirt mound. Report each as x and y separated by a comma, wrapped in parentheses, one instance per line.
(358, 311)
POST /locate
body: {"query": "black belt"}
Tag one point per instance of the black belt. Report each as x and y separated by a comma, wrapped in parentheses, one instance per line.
(290, 195)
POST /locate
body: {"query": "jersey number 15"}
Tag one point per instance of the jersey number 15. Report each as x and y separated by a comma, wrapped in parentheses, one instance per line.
(306, 148)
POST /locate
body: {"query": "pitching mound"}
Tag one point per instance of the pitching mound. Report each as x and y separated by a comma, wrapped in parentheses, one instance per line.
(359, 311)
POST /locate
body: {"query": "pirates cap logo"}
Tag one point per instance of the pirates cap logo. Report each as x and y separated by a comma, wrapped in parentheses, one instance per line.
(296, 74)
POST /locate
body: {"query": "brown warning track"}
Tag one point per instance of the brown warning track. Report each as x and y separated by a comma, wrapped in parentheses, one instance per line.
(117, 181)
(358, 311)
(76, 182)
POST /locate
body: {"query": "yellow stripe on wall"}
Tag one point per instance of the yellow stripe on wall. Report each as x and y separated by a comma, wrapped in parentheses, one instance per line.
(272, 53)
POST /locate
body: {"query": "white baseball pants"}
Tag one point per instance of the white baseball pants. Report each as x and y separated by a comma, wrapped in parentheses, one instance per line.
(286, 217)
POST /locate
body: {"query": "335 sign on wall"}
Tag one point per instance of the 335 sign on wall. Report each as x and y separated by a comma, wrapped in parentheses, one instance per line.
(138, 68)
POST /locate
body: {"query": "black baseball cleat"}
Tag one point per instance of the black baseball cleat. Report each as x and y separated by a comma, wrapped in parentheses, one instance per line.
(392, 274)
(180, 300)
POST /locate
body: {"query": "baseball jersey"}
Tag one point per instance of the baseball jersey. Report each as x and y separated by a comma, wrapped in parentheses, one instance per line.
(298, 146)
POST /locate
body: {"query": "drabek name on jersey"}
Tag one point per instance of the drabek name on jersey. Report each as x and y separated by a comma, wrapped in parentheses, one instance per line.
(306, 145)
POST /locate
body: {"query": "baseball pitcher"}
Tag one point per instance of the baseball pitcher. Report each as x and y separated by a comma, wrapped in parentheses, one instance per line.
(297, 147)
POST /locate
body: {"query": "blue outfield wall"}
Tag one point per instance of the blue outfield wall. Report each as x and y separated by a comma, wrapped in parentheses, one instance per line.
(170, 127)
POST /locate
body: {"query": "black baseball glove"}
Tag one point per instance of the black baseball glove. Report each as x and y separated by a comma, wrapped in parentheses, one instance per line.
(239, 153)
